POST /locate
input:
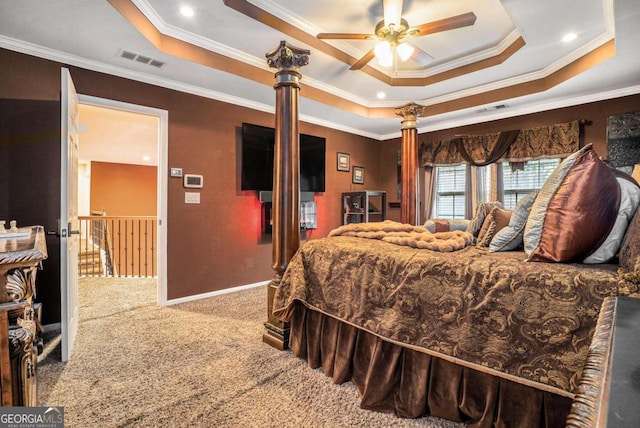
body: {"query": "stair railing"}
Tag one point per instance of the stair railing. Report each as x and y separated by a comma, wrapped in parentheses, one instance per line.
(118, 246)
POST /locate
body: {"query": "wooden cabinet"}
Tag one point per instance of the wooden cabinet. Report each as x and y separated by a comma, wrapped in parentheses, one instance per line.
(21, 253)
(364, 206)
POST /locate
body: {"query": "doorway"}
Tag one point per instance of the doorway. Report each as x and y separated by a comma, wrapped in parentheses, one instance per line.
(126, 139)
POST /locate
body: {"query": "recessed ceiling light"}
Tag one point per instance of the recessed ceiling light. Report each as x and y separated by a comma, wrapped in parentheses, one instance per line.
(146, 158)
(569, 37)
(381, 95)
(186, 11)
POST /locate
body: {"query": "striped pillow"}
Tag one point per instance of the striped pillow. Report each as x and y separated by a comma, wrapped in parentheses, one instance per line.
(574, 211)
(510, 237)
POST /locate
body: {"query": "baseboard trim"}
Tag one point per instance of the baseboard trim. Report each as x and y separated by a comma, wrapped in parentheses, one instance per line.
(214, 293)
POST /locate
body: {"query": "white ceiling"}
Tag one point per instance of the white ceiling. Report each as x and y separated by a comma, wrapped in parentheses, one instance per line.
(91, 34)
(117, 136)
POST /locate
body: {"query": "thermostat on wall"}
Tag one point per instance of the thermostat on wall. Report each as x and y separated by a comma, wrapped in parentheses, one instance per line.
(193, 180)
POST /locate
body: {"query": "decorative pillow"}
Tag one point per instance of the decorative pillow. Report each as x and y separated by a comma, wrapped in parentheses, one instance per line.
(629, 201)
(510, 237)
(445, 225)
(482, 210)
(630, 251)
(496, 220)
(574, 211)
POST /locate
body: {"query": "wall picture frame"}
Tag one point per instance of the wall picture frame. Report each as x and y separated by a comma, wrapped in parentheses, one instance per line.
(343, 162)
(358, 175)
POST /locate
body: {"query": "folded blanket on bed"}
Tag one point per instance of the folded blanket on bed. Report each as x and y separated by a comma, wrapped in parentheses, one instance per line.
(407, 235)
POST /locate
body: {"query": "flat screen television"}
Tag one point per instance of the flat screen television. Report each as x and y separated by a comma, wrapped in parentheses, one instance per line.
(258, 144)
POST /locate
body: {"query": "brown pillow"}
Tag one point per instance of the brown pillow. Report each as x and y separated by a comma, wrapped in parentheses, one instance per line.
(482, 211)
(574, 211)
(446, 225)
(496, 220)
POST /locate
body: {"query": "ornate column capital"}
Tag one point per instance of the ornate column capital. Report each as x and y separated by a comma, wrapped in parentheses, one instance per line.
(410, 113)
(288, 59)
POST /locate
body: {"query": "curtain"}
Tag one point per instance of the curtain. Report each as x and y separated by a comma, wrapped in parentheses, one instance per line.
(499, 183)
(495, 192)
(556, 140)
(470, 191)
(430, 190)
(485, 149)
(516, 146)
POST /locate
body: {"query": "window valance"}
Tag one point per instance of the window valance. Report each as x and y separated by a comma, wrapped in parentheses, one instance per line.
(556, 140)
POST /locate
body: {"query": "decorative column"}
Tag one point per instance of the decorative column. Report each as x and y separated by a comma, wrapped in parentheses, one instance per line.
(409, 153)
(287, 60)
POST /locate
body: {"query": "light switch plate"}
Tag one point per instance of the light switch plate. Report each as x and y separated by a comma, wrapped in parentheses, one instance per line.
(191, 197)
(176, 172)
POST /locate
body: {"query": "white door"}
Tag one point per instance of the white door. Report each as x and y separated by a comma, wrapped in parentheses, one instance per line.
(69, 231)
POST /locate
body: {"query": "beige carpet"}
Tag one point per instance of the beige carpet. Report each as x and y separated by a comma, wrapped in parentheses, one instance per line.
(198, 364)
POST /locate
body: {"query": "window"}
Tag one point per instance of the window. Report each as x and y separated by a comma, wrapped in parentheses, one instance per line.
(449, 197)
(518, 183)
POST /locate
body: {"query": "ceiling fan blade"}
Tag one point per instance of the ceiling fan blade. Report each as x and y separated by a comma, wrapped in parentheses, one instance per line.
(458, 21)
(421, 57)
(346, 36)
(363, 61)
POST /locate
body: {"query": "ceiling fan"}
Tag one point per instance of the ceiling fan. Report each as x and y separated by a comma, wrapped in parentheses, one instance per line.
(392, 33)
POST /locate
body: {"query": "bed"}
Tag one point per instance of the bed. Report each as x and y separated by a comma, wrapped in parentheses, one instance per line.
(472, 335)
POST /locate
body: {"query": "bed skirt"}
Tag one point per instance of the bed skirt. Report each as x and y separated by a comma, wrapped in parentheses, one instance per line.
(411, 384)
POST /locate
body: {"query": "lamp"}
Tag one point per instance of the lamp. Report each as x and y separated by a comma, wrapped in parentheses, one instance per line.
(386, 51)
(405, 50)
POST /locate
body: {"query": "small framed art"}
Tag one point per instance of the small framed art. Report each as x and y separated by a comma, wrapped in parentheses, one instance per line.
(358, 175)
(343, 162)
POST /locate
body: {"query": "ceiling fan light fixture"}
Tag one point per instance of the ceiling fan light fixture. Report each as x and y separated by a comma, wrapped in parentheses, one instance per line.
(386, 61)
(405, 50)
(382, 49)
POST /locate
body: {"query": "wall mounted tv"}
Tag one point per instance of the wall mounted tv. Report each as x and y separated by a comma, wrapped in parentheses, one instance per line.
(258, 144)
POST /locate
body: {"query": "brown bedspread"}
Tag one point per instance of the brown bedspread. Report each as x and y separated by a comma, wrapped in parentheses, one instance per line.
(524, 321)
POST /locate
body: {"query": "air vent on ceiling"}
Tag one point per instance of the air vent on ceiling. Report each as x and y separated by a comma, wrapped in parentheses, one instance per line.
(140, 58)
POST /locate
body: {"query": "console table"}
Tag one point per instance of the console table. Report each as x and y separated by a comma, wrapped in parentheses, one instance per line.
(21, 253)
(609, 388)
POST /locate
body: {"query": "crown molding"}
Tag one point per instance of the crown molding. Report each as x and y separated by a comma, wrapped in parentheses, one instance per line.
(532, 108)
(57, 56)
(524, 78)
(280, 12)
(186, 36)
(472, 58)
(63, 58)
